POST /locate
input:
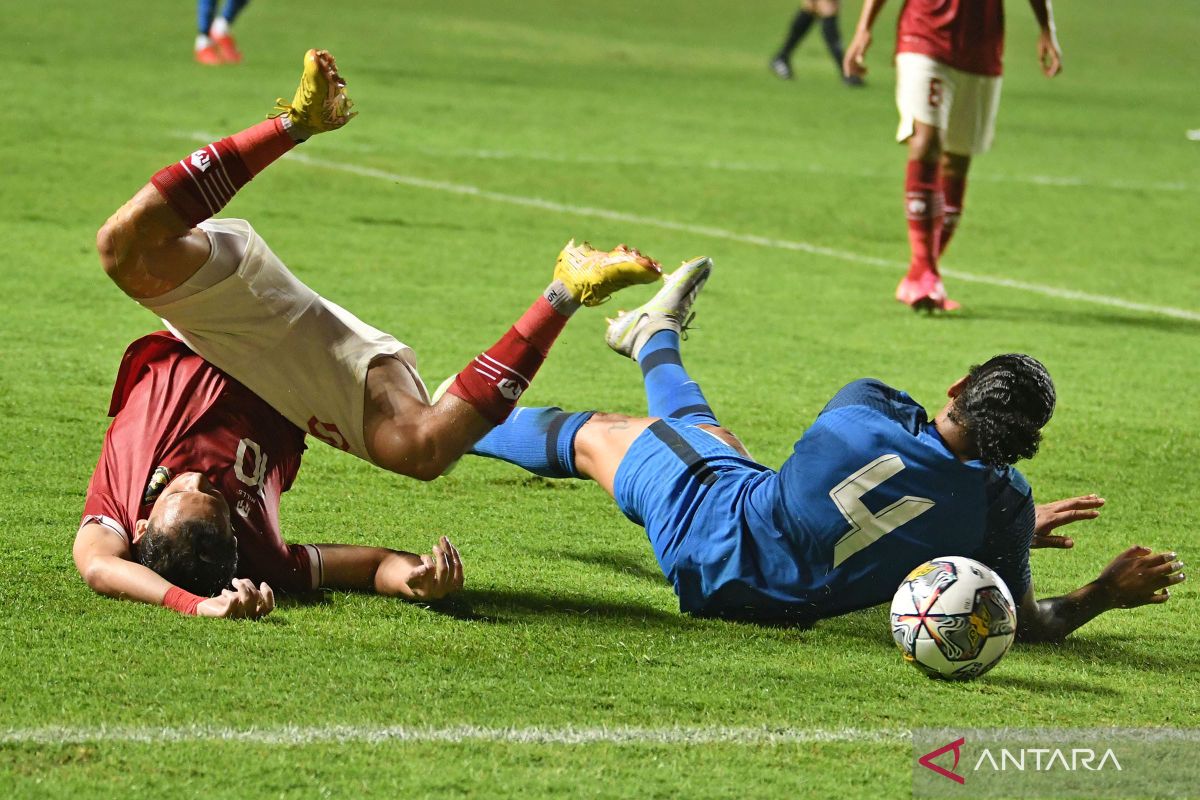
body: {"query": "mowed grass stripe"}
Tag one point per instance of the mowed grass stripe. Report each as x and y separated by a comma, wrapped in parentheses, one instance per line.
(728, 235)
(300, 735)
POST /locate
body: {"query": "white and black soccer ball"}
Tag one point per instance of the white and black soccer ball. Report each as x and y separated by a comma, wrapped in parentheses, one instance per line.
(953, 618)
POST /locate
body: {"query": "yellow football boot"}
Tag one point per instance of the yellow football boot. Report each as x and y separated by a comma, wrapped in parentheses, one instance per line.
(321, 103)
(591, 275)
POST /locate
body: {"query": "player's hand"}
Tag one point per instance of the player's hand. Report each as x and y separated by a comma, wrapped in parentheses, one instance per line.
(1049, 516)
(243, 601)
(854, 64)
(1140, 576)
(1049, 56)
(438, 574)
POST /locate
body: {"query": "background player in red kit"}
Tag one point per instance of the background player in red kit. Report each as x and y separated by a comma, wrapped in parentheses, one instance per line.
(210, 418)
(948, 66)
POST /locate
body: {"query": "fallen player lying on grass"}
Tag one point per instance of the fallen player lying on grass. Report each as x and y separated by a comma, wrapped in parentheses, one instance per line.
(872, 490)
(210, 419)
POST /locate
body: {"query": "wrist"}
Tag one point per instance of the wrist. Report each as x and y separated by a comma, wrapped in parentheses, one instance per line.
(182, 601)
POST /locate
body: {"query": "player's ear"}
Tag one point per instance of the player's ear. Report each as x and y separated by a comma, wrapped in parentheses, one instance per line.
(956, 388)
(139, 529)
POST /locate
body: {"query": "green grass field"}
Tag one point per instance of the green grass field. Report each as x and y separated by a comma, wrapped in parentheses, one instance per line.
(489, 134)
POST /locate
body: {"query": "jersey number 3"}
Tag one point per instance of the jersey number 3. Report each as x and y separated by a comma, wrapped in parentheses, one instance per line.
(867, 528)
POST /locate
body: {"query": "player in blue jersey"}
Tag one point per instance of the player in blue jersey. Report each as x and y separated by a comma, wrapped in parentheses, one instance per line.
(873, 489)
(214, 40)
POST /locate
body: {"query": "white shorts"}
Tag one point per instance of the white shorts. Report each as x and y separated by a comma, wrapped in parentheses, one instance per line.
(304, 355)
(962, 105)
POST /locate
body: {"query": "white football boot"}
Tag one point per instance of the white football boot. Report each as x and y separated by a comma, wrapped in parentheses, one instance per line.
(667, 310)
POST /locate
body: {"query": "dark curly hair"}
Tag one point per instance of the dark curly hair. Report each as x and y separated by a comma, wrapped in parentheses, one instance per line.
(1004, 406)
(196, 555)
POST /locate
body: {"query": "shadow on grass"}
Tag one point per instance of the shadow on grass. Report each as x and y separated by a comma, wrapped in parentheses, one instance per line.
(1115, 650)
(506, 607)
(1078, 318)
(617, 563)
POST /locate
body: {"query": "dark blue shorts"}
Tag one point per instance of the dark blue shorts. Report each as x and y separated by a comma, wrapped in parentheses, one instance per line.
(683, 484)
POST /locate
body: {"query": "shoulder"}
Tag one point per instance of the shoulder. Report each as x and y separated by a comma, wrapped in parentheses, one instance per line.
(877, 396)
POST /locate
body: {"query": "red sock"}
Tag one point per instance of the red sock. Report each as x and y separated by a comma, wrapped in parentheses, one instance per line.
(953, 189)
(495, 380)
(203, 183)
(922, 206)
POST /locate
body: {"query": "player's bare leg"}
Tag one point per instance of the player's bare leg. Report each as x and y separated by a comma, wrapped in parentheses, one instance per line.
(151, 245)
(406, 435)
(954, 188)
(922, 287)
(601, 444)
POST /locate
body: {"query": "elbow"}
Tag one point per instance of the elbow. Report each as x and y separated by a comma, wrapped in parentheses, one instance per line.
(94, 575)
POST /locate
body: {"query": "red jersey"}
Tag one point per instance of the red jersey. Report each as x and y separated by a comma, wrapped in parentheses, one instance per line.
(173, 409)
(965, 34)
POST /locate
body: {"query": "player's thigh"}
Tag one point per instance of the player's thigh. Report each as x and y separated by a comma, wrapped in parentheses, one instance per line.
(601, 445)
(824, 8)
(971, 121)
(924, 94)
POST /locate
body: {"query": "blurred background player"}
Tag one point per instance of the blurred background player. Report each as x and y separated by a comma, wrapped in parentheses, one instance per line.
(810, 11)
(948, 66)
(873, 487)
(214, 41)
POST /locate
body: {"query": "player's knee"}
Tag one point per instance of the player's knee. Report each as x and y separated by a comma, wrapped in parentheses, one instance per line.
(106, 248)
(925, 143)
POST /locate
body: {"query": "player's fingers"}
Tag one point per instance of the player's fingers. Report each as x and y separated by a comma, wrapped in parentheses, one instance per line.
(267, 604)
(1135, 551)
(455, 565)
(1054, 542)
(440, 566)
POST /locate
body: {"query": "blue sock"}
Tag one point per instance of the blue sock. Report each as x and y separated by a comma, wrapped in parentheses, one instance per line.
(670, 392)
(232, 9)
(541, 440)
(205, 11)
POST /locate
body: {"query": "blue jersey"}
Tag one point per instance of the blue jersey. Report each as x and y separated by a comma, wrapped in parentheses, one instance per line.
(870, 492)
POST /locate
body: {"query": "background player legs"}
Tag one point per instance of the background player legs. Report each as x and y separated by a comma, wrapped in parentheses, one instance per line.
(954, 188)
(923, 207)
(810, 11)
(214, 40)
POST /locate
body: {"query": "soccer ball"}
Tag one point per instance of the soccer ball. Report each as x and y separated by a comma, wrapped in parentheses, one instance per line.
(953, 618)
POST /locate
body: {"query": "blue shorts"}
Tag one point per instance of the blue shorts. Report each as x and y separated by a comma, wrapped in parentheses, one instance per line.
(679, 481)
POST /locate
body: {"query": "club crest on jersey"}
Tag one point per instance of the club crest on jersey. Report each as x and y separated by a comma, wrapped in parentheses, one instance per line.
(201, 160)
(510, 388)
(158, 481)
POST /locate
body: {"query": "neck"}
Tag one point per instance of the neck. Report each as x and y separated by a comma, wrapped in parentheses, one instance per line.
(955, 436)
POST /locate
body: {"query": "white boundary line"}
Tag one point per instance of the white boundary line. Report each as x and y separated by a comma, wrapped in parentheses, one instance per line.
(727, 235)
(568, 735)
(337, 734)
(719, 165)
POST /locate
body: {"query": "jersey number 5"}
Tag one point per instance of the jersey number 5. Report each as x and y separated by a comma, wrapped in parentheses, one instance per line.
(867, 528)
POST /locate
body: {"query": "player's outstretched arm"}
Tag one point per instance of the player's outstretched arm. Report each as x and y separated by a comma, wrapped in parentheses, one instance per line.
(393, 573)
(1136, 577)
(104, 560)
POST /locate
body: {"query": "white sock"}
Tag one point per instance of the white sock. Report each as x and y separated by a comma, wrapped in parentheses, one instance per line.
(220, 27)
(202, 41)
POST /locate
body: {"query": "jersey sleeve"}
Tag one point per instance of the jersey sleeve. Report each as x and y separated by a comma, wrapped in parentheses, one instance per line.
(1010, 522)
(879, 397)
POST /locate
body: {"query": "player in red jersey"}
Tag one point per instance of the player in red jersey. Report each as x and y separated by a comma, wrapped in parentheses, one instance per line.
(948, 67)
(217, 411)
